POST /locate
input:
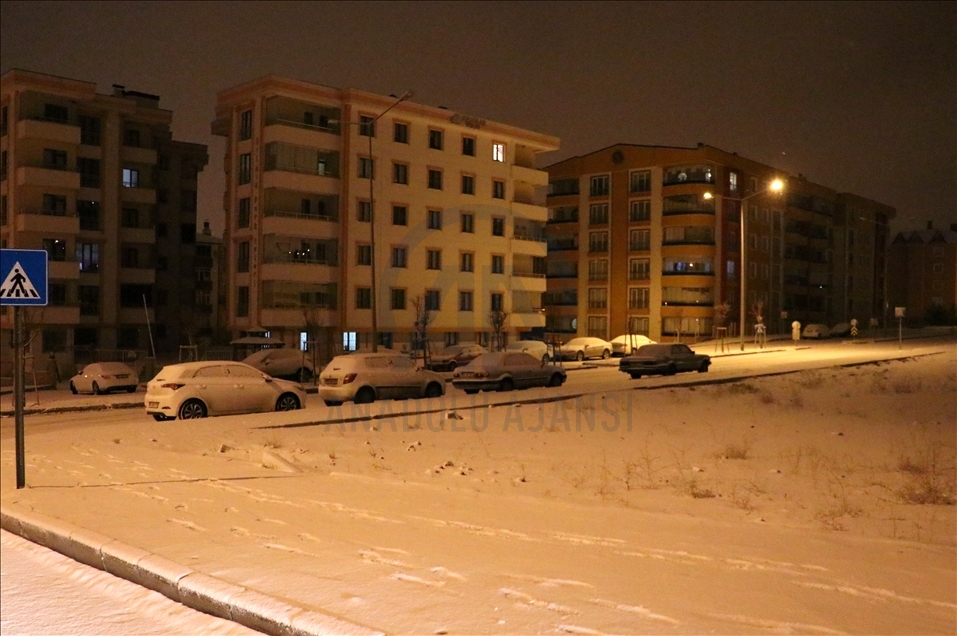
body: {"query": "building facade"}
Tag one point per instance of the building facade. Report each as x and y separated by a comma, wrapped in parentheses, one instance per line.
(459, 227)
(923, 275)
(79, 178)
(647, 240)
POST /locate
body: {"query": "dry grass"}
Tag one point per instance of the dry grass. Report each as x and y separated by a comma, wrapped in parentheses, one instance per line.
(929, 475)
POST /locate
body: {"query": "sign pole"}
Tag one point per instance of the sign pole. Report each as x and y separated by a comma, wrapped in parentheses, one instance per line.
(18, 393)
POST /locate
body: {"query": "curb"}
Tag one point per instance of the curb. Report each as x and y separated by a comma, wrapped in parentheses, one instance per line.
(177, 582)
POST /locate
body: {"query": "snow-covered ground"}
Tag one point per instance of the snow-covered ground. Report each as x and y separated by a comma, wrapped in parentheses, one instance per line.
(815, 502)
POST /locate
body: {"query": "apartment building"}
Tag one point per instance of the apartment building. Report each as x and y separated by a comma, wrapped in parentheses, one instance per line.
(647, 240)
(80, 174)
(922, 275)
(458, 209)
(210, 294)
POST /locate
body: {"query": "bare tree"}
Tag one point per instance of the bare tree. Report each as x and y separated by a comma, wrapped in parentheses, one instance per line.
(497, 320)
(721, 312)
(423, 318)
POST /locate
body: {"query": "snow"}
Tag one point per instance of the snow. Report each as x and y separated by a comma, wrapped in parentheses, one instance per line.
(772, 505)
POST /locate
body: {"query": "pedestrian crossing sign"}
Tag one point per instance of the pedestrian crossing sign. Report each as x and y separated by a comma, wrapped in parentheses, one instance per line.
(23, 277)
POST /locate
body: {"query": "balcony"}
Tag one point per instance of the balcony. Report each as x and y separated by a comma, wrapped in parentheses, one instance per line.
(563, 217)
(527, 280)
(60, 314)
(63, 270)
(292, 317)
(138, 235)
(135, 315)
(294, 224)
(133, 154)
(48, 177)
(48, 131)
(527, 319)
(562, 245)
(47, 222)
(526, 210)
(137, 275)
(295, 270)
(144, 196)
(529, 175)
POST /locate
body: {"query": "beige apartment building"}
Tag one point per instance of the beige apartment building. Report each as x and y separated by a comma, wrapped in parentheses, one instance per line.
(80, 174)
(647, 240)
(458, 206)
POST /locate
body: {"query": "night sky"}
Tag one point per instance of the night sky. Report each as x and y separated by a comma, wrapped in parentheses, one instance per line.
(858, 96)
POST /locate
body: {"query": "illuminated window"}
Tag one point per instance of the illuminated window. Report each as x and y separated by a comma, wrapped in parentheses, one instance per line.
(498, 152)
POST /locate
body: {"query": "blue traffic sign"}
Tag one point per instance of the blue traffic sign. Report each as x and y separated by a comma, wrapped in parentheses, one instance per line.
(23, 277)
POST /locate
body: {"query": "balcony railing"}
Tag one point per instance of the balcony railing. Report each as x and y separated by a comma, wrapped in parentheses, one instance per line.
(558, 245)
(686, 273)
(299, 215)
(522, 235)
(526, 273)
(299, 259)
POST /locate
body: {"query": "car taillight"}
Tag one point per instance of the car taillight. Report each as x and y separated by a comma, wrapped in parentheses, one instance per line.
(481, 374)
(172, 385)
(349, 377)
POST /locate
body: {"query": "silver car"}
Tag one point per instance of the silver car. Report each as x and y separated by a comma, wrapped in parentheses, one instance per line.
(537, 348)
(506, 370)
(587, 347)
(366, 377)
(283, 362)
(217, 387)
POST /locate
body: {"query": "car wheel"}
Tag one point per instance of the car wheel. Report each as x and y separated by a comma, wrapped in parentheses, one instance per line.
(671, 370)
(635, 376)
(96, 389)
(333, 402)
(304, 375)
(287, 402)
(555, 380)
(471, 391)
(365, 396)
(545, 358)
(605, 354)
(506, 385)
(704, 367)
(191, 410)
(433, 390)
(72, 388)
(580, 356)
(452, 366)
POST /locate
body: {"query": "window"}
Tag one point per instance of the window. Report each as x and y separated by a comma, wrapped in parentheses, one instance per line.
(400, 173)
(88, 257)
(498, 264)
(400, 133)
(598, 298)
(468, 146)
(433, 300)
(498, 152)
(468, 184)
(597, 327)
(89, 300)
(599, 186)
(598, 242)
(639, 269)
(131, 178)
(398, 298)
(435, 179)
(434, 219)
(498, 226)
(639, 181)
(400, 256)
(366, 126)
(497, 301)
(245, 168)
(467, 262)
(364, 212)
(598, 270)
(89, 170)
(55, 112)
(242, 302)
(363, 254)
(435, 139)
(468, 222)
(131, 138)
(366, 168)
(434, 259)
(130, 257)
(55, 340)
(400, 215)
(130, 218)
(639, 297)
(639, 325)
(242, 218)
(498, 189)
(465, 301)
(733, 181)
(54, 205)
(55, 249)
(639, 240)
(363, 298)
(242, 257)
(246, 125)
(938, 268)
(639, 211)
(89, 130)
(598, 214)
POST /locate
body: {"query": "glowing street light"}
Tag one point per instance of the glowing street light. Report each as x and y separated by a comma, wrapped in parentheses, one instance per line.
(777, 185)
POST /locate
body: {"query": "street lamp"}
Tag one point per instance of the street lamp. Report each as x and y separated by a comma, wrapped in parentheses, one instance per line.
(777, 185)
(374, 291)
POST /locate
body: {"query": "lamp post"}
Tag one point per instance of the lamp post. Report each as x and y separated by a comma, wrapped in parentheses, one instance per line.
(374, 291)
(775, 186)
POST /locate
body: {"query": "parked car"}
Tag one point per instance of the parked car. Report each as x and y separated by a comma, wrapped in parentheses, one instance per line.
(282, 362)
(816, 331)
(366, 377)
(104, 377)
(626, 344)
(664, 359)
(506, 370)
(217, 387)
(582, 348)
(455, 356)
(840, 330)
(536, 348)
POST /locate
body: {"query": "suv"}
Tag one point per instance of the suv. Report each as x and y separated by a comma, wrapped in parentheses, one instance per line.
(366, 377)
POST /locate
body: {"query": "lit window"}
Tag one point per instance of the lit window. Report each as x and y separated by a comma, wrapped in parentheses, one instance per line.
(498, 152)
(131, 178)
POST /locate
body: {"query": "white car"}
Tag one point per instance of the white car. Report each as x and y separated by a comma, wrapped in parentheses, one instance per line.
(103, 377)
(816, 331)
(537, 348)
(627, 344)
(217, 387)
(282, 362)
(582, 348)
(366, 377)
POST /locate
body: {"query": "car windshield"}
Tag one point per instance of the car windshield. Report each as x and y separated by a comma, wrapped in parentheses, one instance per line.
(451, 351)
(521, 345)
(577, 342)
(652, 350)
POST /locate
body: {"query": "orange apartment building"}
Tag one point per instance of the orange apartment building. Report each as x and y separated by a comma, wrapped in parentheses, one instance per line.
(647, 240)
(459, 216)
(923, 274)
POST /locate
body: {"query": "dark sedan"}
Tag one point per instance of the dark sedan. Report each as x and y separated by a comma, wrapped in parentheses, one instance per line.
(663, 359)
(506, 370)
(455, 356)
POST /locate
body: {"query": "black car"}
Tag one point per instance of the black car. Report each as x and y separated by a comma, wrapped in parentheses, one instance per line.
(663, 359)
